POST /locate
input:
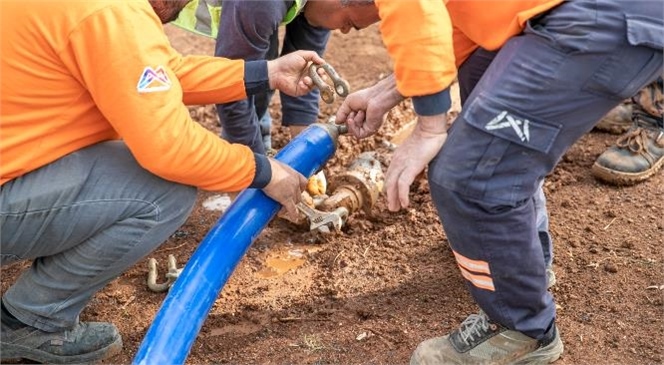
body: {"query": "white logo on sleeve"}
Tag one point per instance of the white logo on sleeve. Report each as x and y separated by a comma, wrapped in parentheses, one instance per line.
(504, 120)
(153, 80)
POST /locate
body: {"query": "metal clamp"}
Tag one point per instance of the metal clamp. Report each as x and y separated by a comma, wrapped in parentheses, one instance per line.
(323, 221)
(341, 86)
(171, 275)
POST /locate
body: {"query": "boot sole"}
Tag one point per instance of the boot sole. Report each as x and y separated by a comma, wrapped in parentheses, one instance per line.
(545, 355)
(624, 178)
(11, 352)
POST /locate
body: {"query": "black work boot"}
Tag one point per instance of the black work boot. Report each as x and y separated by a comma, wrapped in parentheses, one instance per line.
(639, 153)
(84, 343)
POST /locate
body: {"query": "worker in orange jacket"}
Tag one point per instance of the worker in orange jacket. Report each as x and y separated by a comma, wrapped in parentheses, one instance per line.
(101, 160)
(558, 68)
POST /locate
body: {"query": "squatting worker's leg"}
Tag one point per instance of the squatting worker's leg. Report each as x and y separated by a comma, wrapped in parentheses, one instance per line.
(84, 219)
(543, 91)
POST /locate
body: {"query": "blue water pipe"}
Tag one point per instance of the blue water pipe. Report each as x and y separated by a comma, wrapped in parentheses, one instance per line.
(181, 316)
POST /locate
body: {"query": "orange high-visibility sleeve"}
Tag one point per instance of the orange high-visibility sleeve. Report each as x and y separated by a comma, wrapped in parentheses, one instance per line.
(428, 39)
(418, 37)
(78, 73)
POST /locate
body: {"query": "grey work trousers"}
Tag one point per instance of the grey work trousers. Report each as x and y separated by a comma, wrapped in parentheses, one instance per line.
(82, 220)
(543, 90)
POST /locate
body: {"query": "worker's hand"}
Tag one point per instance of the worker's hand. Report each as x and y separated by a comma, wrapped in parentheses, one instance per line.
(286, 187)
(364, 111)
(289, 75)
(412, 156)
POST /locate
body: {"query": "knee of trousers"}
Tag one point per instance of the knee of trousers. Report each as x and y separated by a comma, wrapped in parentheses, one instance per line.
(177, 203)
(170, 212)
(496, 196)
(461, 212)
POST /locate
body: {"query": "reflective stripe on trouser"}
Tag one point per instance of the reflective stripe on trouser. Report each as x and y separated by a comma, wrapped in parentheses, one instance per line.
(83, 220)
(543, 91)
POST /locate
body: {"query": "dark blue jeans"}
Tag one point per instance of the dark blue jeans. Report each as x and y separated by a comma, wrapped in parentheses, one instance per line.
(543, 90)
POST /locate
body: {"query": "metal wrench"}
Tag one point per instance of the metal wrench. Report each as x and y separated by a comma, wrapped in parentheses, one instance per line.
(321, 221)
(341, 86)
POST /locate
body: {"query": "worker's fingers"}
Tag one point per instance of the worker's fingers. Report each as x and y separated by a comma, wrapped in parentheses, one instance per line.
(343, 112)
(290, 212)
(303, 185)
(397, 187)
(285, 187)
(353, 127)
(391, 191)
(311, 56)
(305, 83)
(362, 128)
(411, 158)
(294, 198)
(290, 207)
(357, 124)
(403, 189)
(353, 112)
(366, 129)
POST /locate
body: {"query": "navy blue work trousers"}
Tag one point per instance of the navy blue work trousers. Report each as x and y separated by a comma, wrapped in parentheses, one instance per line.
(542, 91)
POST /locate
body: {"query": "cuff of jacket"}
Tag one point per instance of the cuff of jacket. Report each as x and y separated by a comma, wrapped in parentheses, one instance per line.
(256, 79)
(263, 172)
(433, 104)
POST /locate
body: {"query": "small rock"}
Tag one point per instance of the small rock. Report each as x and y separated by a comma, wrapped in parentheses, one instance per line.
(609, 267)
(217, 203)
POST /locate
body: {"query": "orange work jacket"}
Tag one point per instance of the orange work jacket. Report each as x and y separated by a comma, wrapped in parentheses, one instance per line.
(75, 73)
(428, 39)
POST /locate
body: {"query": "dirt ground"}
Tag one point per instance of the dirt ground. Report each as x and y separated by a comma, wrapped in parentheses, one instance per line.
(370, 294)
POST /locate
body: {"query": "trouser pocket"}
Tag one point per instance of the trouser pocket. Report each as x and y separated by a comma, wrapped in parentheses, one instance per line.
(495, 153)
(627, 70)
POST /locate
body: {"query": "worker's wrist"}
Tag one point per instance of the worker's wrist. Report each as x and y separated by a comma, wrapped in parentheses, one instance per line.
(432, 124)
(256, 79)
(433, 104)
(263, 172)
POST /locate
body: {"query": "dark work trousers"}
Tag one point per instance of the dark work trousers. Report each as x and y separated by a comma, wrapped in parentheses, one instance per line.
(470, 73)
(250, 30)
(544, 89)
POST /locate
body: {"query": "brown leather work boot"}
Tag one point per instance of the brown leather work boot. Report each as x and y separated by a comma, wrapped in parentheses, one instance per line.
(639, 153)
(636, 156)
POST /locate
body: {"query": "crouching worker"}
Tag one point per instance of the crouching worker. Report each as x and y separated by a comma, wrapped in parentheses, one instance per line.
(101, 160)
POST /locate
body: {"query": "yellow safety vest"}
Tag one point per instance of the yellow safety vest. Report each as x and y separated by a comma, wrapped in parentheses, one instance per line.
(203, 16)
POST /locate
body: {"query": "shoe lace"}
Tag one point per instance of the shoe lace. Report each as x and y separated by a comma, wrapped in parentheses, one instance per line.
(634, 140)
(476, 325)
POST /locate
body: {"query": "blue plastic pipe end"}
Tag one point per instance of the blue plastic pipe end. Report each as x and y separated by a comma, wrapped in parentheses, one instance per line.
(189, 300)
